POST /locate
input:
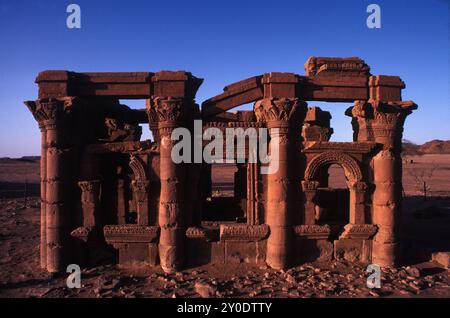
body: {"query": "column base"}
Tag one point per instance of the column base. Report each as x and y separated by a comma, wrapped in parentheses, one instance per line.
(385, 254)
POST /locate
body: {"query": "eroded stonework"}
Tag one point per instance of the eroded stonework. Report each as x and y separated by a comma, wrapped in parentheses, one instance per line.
(106, 192)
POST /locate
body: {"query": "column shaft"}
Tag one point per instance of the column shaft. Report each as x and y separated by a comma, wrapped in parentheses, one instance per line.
(43, 172)
(170, 217)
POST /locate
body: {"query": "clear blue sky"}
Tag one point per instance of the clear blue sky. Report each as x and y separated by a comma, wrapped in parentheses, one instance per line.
(223, 41)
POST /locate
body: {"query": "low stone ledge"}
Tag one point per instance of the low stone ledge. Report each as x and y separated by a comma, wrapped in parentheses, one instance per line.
(130, 233)
(313, 232)
(244, 232)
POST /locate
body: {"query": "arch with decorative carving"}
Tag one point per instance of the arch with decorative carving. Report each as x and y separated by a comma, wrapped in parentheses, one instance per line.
(351, 167)
(138, 168)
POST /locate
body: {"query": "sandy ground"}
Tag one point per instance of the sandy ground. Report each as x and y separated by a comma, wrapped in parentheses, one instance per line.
(426, 229)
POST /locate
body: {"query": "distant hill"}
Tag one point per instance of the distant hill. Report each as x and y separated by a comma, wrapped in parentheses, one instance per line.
(436, 147)
(30, 159)
(430, 147)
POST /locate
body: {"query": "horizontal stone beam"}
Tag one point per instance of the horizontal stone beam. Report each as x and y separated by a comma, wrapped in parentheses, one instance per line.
(120, 85)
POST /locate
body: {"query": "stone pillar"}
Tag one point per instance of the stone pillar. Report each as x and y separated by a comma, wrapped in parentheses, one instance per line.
(253, 217)
(357, 202)
(90, 200)
(43, 171)
(140, 193)
(382, 122)
(40, 117)
(171, 218)
(53, 115)
(310, 191)
(122, 212)
(283, 119)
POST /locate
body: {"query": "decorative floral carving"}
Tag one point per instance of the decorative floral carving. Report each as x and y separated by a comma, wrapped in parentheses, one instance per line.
(358, 186)
(359, 231)
(317, 232)
(202, 233)
(172, 110)
(130, 233)
(168, 109)
(50, 109)
(90, 186)
(332, 66)
(278, 109)
(309, 185)
(244, 232)
(90, 191)
(82, 233)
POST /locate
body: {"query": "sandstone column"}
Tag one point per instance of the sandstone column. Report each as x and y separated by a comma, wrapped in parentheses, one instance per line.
(357, 191)
(90, 200)
(383, 122)
(170, 113)
(310, 190)
(140, 191)
(283, 118)
(53, 114)
(40, 116)
(43, 171)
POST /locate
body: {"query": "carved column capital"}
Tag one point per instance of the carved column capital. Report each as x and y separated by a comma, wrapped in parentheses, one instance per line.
(169, 113)
(140, 185)
(381, 121)
(280, 112)
(48, 112)
(308, 185)
(358, 186)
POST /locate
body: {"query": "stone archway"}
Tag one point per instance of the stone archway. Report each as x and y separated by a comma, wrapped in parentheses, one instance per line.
(351, 167)
(353, 174)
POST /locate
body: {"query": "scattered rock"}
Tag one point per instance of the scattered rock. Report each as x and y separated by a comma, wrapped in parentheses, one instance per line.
(205, 290)
(374, 293)
(413, 271)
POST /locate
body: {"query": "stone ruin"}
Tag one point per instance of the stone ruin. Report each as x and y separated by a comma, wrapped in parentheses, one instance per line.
(109, 196)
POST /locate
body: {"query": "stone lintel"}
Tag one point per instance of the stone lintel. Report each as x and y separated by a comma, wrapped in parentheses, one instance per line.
(125, 85)
(175, 84)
